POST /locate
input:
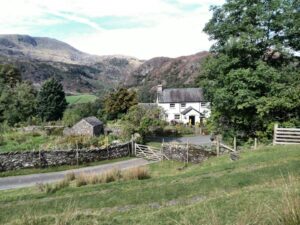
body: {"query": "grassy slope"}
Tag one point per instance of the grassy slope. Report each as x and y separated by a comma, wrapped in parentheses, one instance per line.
(217, 192)
(84, 98)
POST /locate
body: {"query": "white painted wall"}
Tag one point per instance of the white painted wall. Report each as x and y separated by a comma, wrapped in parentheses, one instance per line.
(171, 112)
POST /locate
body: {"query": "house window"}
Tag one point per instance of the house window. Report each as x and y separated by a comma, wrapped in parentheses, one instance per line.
(203, 104)
(172, 105)
(177, 116)
(183, 105)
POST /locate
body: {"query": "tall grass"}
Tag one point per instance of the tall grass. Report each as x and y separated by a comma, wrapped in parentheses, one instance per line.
(289, 210)
(52, 188)
(138, 173)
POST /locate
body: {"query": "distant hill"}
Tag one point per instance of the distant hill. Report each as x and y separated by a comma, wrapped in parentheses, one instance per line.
(39, 58)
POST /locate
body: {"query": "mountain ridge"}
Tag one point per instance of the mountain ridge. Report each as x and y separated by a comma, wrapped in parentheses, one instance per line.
(39, 58)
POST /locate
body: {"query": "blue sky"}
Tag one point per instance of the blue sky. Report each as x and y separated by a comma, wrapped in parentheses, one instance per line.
(140, 28)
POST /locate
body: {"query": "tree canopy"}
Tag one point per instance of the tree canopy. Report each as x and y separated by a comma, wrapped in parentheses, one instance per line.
(51, 101)
(252, 77)
(17, 98)
(118, 102)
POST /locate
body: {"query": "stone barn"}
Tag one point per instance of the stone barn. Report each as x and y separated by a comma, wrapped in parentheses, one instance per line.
(89, 126)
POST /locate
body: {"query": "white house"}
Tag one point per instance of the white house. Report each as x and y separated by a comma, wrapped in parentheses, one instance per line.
(184, 105)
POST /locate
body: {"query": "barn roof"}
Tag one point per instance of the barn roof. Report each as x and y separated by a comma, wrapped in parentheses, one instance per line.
(174, 95)
(92, 121)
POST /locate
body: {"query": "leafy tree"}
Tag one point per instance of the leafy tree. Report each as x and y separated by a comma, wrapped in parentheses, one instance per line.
(145, 120)
(17, 98)
(22, 103)
(118, 102)
(9, 75)
(78, 111)
(51, 101)
(252, 76)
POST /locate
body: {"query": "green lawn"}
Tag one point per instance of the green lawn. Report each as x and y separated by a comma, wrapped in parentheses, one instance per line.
(84, 98)
(263, 187)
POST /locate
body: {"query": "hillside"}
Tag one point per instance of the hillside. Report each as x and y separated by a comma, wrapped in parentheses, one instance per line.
(39, 58)
(261, 188)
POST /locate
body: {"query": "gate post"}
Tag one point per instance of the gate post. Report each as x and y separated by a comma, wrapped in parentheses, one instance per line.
(275, 132)
(133, 149)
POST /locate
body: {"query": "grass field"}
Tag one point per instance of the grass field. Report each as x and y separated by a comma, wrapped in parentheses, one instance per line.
(263, 187)
(20, 141)
(84, 98)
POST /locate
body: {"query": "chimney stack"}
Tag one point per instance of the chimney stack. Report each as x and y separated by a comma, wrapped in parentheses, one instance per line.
(159, 89)
(159, 92)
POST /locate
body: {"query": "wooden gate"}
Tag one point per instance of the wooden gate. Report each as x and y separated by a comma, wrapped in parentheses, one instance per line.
(286, 135)
(149, 153)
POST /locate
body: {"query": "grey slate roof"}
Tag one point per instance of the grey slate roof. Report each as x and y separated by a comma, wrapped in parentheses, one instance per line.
(177, 95)
(92, 121)
(188, 109)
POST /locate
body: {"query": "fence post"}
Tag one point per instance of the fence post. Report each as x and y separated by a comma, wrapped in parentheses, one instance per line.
(218, 145)
(275, 132)
(132, 147)
(187, 152)
(234, 143)
(162, 148)
(255, 143)
(77, 156)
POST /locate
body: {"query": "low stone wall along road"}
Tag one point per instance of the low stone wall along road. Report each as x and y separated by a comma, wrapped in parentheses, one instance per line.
(31, 180)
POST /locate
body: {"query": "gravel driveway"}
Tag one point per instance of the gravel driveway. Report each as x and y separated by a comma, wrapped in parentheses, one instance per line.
(31, 180)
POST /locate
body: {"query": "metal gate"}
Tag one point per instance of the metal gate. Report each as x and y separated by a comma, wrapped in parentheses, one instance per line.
(149, 153)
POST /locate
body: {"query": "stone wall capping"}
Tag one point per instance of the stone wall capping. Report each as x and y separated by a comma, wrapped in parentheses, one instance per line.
(45, 158)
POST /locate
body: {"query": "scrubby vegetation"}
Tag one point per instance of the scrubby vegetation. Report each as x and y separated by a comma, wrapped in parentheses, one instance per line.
(261, 188)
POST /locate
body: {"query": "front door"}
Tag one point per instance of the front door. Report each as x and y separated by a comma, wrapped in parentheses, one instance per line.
(192, 120)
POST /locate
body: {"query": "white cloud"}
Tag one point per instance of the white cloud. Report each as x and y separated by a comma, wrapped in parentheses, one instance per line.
(172, 31)
(172, 37)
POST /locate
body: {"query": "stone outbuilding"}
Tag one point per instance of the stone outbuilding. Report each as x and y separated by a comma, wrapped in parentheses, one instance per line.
(89, 126)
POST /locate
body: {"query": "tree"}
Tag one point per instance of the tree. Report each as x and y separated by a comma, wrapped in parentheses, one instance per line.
(118, 102)
(51, 101)
(76, 112)
(17, 98)
(10, 75)
(252, 77)
(22, 103)
(144, 120)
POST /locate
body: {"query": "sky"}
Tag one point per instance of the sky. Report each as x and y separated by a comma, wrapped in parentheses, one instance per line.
(139, 28)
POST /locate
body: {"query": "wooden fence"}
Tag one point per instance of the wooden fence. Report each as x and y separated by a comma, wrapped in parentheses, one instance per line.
(286, 135)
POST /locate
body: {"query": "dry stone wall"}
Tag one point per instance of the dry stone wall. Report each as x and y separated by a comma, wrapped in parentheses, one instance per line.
(41, 159)
(190, 153)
